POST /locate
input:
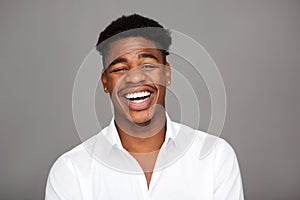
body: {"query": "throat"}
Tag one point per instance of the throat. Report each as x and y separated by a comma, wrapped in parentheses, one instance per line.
(142, 145)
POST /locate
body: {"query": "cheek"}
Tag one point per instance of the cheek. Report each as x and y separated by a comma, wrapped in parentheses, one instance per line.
(160, 79)
(112, 82)
(115, 83)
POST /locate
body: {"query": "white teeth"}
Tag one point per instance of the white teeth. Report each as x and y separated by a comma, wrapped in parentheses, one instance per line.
(137, 95)
(139, 101)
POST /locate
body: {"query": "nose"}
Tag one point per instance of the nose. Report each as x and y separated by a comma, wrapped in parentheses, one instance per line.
(134, 76)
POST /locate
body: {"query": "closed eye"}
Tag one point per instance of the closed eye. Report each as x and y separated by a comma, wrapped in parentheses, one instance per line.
(150, 67)
(121, 69)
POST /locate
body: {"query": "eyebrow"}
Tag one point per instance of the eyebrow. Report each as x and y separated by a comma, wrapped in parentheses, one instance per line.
(117, 60)
(148, 55)
(142, 55)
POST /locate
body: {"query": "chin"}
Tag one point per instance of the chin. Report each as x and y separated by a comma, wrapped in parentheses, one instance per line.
(140, 117)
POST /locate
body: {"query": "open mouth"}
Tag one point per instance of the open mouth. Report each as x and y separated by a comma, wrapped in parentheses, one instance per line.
(138, 100)
(138, 97)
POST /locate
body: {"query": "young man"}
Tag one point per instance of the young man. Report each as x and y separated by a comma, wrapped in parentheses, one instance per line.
(142, 154)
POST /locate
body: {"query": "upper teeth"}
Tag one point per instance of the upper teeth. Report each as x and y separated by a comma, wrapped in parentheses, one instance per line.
(137, 94)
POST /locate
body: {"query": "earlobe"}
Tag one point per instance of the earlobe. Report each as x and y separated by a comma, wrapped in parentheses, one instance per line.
(104, 82)
(168, 74)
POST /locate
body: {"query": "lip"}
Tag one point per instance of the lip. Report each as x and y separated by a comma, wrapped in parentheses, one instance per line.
(135, 105)
(125, 91)
(140, 106)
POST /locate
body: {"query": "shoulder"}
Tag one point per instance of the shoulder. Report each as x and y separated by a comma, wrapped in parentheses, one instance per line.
(207, 144)
(66, 172)
(75, 157)
(62, 182)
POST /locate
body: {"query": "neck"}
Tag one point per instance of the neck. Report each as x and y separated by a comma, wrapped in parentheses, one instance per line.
(143, 138)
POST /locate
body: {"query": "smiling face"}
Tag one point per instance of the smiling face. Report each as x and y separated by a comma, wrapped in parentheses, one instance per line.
(135, 77)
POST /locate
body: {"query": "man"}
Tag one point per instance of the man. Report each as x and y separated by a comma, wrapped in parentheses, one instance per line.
(142, 154)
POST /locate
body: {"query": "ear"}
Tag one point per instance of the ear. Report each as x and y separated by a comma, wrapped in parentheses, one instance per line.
(104, 82)
(168, 74)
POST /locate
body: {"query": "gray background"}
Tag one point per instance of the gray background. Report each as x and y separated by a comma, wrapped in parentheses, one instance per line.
(256, 45)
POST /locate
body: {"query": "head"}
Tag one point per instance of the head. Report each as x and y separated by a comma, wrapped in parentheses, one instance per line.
(134, 50)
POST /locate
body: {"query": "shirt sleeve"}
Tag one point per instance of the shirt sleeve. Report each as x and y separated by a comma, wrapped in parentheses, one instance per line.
(228, 181)
(62, 182)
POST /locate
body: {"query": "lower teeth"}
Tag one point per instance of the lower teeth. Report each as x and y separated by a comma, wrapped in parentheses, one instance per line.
(140, 100)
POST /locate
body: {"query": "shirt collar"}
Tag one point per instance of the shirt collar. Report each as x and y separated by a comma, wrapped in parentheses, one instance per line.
(111, 134)
(108, 148)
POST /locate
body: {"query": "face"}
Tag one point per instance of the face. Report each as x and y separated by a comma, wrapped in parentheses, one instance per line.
(135, 77)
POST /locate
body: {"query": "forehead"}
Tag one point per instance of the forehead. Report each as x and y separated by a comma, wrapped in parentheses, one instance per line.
(129, 45)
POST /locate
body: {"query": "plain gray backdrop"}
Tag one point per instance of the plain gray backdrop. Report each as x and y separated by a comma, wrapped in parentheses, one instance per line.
(255, 44)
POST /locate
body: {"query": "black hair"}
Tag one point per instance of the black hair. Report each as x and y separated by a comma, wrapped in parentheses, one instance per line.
(134, 25)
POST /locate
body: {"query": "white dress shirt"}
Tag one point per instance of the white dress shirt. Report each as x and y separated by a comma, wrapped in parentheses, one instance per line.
(101, 168)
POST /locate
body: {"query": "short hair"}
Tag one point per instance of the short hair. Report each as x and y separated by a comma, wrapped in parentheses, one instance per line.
(125, 26)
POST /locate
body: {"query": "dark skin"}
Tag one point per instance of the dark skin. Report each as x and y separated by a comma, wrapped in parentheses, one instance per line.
(145, 151)
(141, 126)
